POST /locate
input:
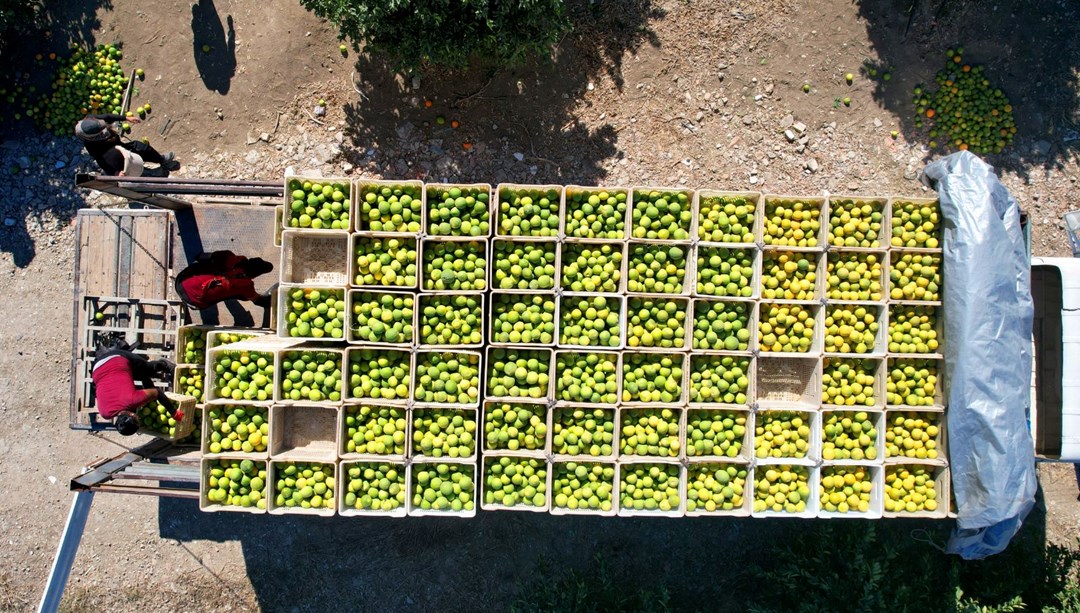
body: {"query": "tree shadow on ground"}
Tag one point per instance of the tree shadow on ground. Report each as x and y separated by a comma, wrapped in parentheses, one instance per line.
(497, 560)
(525, 118)
(1031, 50)
(36, 169)
(213, 47)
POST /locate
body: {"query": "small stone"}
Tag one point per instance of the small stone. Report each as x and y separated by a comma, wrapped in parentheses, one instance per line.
(519, 156)
(252, 157)
(852, 186)
(1041, 147)
(9, 221)
(753, 180)
(877, 122)
(799, 126)
(788, 134)
(768, 89)
(747, 120)
(264, 137)
(786, 122)
(812, 165)
(320, 111)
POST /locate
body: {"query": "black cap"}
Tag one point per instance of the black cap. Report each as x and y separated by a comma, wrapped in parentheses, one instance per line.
(126, 423)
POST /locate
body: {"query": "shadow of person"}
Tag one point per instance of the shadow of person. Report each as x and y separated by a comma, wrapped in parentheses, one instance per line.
(215, 52)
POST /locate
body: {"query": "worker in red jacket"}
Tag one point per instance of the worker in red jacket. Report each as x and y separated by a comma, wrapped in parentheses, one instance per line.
(115, 372)
(222, 275)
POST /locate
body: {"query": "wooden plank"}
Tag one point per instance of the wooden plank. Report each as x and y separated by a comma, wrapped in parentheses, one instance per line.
(102, 238)
(148, 257)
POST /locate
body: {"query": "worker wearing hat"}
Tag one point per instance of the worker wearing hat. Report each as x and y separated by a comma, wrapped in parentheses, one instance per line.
(115, 372)
(117, 157)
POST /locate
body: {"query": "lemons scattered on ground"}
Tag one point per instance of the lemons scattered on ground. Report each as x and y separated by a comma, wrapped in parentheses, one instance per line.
(965, 111)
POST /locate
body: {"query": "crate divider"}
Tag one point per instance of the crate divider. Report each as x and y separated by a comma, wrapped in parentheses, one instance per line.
(273, 509)
(877, 493)
(495, 455)
(753, 200)
(505, 188)
(342, 485)
(748, 489)
(813, 482)
(621, 300)
(346, 375)
(487, 251)
(314, 256)
(352, 294)
(564, 214)
(411, 239)
(623, 465)
(414, 511)
(204, 485)
(362, 184)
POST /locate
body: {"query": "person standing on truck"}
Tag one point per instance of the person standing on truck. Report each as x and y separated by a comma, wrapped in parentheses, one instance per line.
(222, 275)
(115, 372)
(115, 156)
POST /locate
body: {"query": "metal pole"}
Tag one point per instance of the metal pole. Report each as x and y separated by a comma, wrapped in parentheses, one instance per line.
(65, 553)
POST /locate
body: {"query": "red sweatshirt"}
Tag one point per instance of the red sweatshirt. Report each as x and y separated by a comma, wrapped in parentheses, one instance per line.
(206, 290)
(116, 388)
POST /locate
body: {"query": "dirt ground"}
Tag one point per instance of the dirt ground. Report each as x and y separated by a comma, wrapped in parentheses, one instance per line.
(669, 92)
